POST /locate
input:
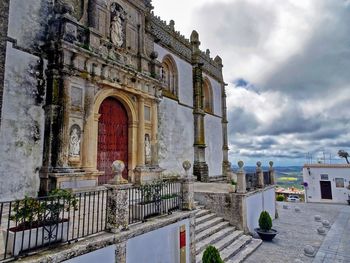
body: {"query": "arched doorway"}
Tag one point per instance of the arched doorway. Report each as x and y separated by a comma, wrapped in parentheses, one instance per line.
(112, 138)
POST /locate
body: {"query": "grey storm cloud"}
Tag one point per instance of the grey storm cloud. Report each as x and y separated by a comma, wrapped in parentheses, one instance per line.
(318, 71)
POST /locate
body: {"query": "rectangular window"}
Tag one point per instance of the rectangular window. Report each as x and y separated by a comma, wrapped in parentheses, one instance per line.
(339, 182)
(147, 113)
(324, 176)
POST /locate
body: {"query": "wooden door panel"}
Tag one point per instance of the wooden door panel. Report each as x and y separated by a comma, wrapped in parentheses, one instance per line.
(112, 138)
(326, 190)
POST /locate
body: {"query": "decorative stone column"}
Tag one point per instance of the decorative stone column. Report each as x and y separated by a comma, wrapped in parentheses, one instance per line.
(241, 181)
(200, 167)
(187, 188)
(154, 139)
(260, 174)
(272, 173)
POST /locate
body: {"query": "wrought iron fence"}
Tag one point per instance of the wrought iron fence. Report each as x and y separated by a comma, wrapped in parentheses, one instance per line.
(32, 223)
(154, 199)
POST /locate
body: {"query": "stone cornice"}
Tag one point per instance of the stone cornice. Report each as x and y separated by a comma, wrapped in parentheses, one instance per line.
(85, 64)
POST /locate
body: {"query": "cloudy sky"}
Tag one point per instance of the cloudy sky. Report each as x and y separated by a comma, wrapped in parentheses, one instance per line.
(287, 65)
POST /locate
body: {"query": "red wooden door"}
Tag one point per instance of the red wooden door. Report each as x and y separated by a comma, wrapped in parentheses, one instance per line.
(112, 138)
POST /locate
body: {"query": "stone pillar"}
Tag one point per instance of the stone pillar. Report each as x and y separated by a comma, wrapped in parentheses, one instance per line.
(200, 167)
(241, 181)
(187, 188)
(193, 239)
(260, 175)
(141, 133)
(272, 173)
(117, 207)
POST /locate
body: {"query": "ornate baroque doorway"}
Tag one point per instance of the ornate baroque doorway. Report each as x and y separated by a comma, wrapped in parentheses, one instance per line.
(112, 138)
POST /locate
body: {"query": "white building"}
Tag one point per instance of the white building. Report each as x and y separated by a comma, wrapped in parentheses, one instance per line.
(327, 182)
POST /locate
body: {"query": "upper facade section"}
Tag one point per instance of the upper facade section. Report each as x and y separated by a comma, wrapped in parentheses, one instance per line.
(124, 32)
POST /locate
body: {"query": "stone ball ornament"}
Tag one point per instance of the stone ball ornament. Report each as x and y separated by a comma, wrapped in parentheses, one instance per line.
(271, 163)
(118, 166)
(258, 164)
(240, 164)
(186, 165)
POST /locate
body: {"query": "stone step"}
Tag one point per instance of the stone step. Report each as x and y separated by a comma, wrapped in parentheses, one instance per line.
(200, 207)
(210, 231)
(235, 247)
(202, 212)
(246, 251)
(222, 245)
(215, 238)
(208, 224)
(200, 220)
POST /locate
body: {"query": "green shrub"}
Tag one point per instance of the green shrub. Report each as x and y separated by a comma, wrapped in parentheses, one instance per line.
(233, 182)
(265, 221)
(211, 255)
(280, 198)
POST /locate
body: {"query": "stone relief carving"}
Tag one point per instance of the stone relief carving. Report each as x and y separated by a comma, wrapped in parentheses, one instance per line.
(148, 152)
(74, 141)
(117, 25)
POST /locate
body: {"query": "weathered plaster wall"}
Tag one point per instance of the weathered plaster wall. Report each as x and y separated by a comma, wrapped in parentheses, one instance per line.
(4, 7)
(27, 21)
(184, 76)
(161, 245)
(217, 95)
(213, 140)
(21, 132)
(175, 136)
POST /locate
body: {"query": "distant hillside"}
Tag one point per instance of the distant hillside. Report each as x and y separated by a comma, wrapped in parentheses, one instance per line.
(287, 176)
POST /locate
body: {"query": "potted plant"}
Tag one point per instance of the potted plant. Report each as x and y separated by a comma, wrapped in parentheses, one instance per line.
(38, 222)
(211, 255)
(265, 230)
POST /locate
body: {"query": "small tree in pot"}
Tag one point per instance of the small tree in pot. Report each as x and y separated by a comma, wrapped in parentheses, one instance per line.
(211, 255)
(265, 230)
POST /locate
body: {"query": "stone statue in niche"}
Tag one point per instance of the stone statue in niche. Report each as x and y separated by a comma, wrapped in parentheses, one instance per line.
(148, 152)
(74, 141)
(117, 25)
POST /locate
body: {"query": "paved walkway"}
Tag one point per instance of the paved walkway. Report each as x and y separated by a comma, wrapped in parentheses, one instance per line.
(298, 229)
(336, 245)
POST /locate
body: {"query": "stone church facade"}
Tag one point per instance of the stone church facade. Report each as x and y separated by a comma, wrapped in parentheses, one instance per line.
(88, 82)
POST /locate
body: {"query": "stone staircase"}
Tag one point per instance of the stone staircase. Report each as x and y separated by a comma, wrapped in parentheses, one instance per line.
(232, 244)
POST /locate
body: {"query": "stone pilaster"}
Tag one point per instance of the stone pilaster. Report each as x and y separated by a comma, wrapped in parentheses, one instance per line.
(187, 188)
(200, 167)
(193, 239)
(4, 14)
(117, 207)
(141, 133)
(260, 175)
(120, 252)
(272, 173)
(241, 181)
(154, 141)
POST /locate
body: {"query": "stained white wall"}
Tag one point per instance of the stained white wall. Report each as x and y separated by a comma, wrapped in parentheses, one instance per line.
(22, 128)
(105, 255)
(313, 191)
(213, 140)
(217, 95)
(176, 135)
(258, 202)
(159, 246)
(184, 75)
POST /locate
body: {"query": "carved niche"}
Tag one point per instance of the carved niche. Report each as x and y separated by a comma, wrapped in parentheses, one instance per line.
(74, 141)
(117, 27)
